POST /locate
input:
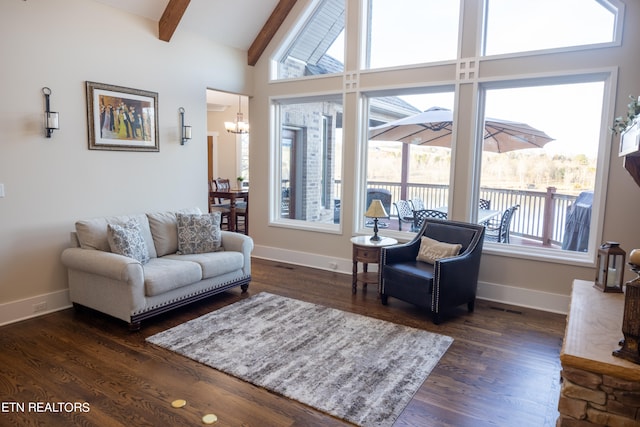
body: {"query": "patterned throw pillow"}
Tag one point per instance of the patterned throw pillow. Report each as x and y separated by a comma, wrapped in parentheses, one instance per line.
(198, 234)
(127, 240)
(432, 250)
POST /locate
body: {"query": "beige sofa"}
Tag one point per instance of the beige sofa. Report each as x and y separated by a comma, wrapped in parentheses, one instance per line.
(131, 290)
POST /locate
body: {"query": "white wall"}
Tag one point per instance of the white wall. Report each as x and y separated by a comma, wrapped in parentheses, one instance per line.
(50, 183)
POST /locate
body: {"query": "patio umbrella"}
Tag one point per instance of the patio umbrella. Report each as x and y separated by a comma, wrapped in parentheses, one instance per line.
(434, 127)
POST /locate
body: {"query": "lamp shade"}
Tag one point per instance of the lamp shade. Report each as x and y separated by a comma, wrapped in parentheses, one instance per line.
(376, 210)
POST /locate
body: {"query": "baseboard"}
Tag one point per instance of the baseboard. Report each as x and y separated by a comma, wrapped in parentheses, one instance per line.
(530, 298)
(305, 259)
(522, 297)
(27, 308)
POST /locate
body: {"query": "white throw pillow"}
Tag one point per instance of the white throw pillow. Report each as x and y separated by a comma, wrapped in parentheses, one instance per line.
(198, 234)
(432, 250)
(127, 240)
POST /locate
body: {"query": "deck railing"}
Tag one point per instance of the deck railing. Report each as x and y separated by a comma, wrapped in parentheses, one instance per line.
(540, 217)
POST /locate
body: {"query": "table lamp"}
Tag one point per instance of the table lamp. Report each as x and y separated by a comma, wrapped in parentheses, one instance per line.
(376, 210)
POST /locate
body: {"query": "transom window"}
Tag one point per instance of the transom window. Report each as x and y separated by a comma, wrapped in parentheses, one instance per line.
(530, 25)
(318, 48)
(405, 32)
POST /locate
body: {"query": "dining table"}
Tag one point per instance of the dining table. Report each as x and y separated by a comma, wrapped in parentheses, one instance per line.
(484, 215)
(233, 195)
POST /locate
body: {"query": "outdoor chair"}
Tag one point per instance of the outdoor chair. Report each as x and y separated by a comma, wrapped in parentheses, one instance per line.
(417, 204)
(500, 232)
(405, 213)
(437, 282)
(420, 215)
(484, 204)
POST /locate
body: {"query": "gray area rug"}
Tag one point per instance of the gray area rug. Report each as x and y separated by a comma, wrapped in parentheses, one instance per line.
(354, 367)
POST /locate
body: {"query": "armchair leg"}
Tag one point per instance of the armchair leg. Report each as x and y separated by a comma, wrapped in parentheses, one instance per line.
(471, 306)
(435, 318)
(384, 299)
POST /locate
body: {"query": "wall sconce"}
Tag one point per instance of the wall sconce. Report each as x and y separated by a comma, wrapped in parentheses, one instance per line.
(185, 131)
(50, 117)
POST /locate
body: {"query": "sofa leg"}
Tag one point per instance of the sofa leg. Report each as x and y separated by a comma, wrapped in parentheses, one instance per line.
(384, 299)
(471, 306)
(244, 287)
(134, 326)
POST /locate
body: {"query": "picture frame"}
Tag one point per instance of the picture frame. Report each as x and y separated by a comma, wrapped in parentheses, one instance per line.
(121, 118)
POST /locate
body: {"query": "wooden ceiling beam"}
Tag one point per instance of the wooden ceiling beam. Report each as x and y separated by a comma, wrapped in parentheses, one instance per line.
(269, 30)
(171, 18)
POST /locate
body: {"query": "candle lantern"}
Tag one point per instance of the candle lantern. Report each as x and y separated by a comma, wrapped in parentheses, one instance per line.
(610, 267)
(631, 319)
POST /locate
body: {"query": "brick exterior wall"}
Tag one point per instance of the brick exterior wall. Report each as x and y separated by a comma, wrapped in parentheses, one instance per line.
(314, 163)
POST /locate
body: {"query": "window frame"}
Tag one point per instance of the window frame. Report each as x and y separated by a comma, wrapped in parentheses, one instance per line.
(360, 191)
(465, 74)
(608, 76)
(275, 165)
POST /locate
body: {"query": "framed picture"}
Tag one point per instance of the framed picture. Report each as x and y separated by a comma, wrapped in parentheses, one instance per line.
(121, 118)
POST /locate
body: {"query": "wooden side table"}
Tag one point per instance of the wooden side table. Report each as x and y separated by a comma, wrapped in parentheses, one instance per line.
(367, 252)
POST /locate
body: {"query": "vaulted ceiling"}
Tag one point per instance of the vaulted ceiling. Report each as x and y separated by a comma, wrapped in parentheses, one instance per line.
(242, 24)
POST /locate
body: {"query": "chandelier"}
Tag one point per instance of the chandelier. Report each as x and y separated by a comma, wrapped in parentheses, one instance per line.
(239, 126)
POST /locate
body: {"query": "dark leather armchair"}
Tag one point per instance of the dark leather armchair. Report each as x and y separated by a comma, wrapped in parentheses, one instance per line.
(448, 282)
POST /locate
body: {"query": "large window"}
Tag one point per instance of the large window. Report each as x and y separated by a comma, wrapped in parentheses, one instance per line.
(310, 138)
(540, 157)
(529, 25)
(407, 65)
(405, 164)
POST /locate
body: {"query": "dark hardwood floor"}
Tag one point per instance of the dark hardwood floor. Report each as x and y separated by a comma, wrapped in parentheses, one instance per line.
(502, 369)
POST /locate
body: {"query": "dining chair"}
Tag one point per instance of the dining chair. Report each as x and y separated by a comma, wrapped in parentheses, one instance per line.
(500, 233)
(405, 213)
(217, 204)
(420, 215)
(242, 207)
(222, 184)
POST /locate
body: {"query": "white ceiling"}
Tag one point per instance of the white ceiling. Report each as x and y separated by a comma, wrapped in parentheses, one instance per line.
(235, 25)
